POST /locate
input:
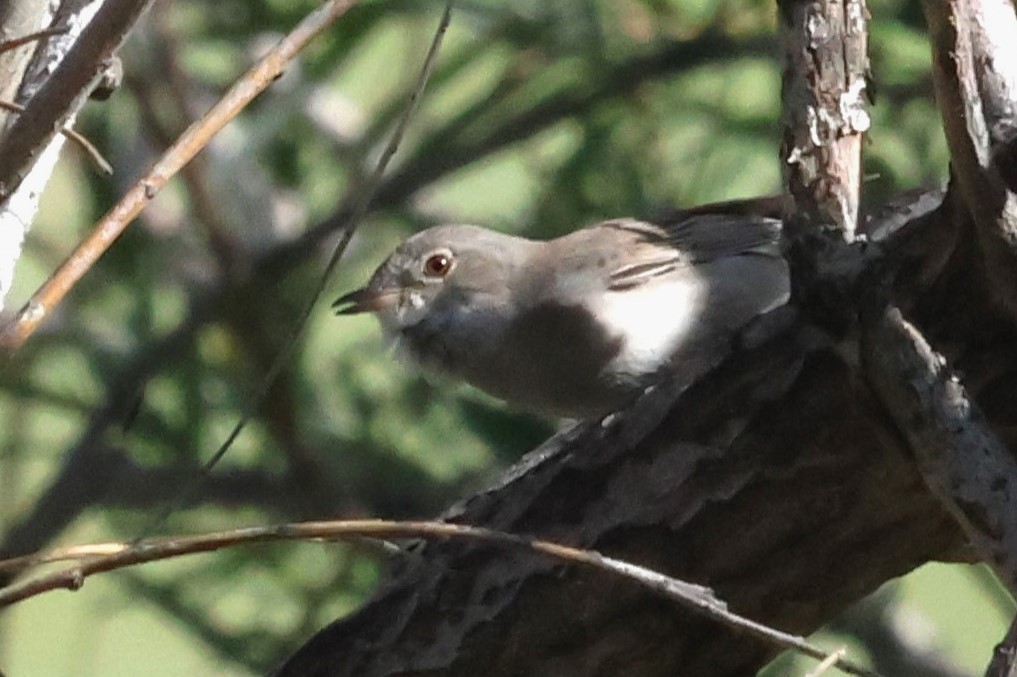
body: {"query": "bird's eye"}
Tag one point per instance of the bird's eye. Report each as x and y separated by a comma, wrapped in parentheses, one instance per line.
(438, 265)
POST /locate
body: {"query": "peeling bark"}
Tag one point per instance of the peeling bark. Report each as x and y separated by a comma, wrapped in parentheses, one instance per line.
(825, 110)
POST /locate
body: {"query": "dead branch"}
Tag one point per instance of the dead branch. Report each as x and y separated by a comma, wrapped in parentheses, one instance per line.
(197, 136)
(824, 110)
(106, 557)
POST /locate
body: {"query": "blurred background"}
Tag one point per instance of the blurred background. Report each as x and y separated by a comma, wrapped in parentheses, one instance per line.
(541, 117)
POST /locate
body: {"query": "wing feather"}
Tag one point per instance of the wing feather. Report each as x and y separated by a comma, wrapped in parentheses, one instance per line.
(698, 239)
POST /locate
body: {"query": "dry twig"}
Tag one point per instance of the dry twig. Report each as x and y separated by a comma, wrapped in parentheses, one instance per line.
(74, 136)
(14, 43)
(197, 136)
(113, 556)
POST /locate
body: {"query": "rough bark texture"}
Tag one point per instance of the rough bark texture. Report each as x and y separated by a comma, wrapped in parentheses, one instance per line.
(974, 58)
(974, 48)
(779, 480)
(962, 459)
(825, 109)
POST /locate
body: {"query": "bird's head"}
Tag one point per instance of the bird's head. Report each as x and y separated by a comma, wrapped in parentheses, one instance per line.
(440, 272)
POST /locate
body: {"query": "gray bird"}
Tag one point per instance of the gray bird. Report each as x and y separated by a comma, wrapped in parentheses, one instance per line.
(579, 325)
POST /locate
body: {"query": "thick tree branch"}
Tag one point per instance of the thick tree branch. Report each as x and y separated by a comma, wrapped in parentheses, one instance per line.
(785, 431)
(824, 102)
(961, 458)
(782, 434)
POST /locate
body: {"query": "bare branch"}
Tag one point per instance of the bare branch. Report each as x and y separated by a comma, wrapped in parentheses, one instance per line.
(65, 90)
(256, 80)
(105, 557)
(86, 145)
(14, 43)
(827, 663)
(824, 109)
(974, 56)
(785, 433)
(962, 460)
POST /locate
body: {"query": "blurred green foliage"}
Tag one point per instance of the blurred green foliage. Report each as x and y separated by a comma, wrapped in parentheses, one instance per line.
(541, 117)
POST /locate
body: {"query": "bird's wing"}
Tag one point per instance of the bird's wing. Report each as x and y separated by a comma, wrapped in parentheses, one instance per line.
(716, 236)
(698, 239)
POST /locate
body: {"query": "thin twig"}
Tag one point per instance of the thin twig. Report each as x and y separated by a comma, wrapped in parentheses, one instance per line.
(363, 198)
(62, 93)
(14, 43)
(74, 136)
(690, 595)
(197, 136)
(423, 167)
(827, 663)
(70, 553)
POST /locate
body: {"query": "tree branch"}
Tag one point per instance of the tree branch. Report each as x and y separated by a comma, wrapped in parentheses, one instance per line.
(962, 460)
(974, 57)
(65, 90)
(824, 109)
(113, 556)
(785, 431)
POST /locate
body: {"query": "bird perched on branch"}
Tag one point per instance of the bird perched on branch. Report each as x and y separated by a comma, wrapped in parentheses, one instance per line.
(579, 325)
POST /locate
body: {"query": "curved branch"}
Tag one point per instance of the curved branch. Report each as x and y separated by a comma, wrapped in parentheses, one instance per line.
(974, 50)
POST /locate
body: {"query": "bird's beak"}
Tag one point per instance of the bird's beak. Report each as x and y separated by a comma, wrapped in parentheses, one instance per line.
(366, 300)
